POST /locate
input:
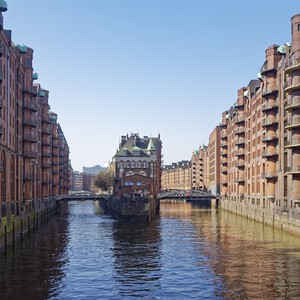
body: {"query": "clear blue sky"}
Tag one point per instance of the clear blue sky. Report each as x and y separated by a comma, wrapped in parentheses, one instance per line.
(149, 66)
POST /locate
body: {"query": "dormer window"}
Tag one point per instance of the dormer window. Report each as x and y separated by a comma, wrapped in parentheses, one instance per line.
(124, 151)
(136, 151)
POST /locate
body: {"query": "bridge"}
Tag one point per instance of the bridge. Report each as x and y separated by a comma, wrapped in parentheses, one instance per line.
(185, 195)
(82, 196)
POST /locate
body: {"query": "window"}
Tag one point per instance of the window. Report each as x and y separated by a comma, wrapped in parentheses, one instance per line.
(130, 173)
(298, 27)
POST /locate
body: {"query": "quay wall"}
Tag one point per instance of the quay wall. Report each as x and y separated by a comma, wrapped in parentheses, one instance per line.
(288, 221)
(14, 226)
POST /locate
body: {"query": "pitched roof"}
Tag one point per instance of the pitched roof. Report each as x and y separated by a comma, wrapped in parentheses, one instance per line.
(134, 142)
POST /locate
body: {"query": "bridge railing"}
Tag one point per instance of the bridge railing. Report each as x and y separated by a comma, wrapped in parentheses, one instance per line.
(82, 197)
(185, 194)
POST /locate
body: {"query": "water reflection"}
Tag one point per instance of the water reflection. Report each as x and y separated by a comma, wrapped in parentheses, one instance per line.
(187, 253)
(34, 268)
(136, 255)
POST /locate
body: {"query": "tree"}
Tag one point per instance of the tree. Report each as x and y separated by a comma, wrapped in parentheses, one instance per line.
(104, 181)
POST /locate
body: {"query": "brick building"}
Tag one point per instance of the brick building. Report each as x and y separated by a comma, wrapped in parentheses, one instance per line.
(34, 154)
(260, 138)
(137, 165)
(177, 176)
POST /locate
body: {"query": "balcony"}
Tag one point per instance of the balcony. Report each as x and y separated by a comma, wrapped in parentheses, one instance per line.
(240, 165)
(30, 154)
(291, 65)
(224, 161)
(30, 106)
(46, 165)
(269, 106)
(30, 122)
(224, 179)
(223, 144)
(295, 123)
(224, 170)
(269, 154)
(47, 153)
(30, 138)
(265, 69)
(223, 134)
(46, 142)
(238, 104)
(224, 152)
(240, 179)
(292, 170)
(239, 130)
(240, 119)
(292, 143)
(269, 122)
(240, 153)
(32, 91)
(292, 85)
(46, 120)
(55, 152)
(291, 104)
(240, 141)
(269, 175)
(269, 138)
(47, 131)
(270, 91)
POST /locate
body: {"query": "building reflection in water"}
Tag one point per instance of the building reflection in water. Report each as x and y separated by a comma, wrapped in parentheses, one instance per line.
(33, 269)
(252, 260)
(137, 257)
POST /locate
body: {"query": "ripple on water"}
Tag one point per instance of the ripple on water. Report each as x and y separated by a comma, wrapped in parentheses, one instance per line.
(187, 253)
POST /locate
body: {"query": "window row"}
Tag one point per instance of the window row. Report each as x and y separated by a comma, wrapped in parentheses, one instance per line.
(133, 164)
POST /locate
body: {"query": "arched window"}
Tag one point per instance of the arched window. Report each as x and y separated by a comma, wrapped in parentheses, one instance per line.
(129, 173)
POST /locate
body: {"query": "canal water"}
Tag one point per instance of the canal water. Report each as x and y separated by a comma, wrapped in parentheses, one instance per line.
(186, 253)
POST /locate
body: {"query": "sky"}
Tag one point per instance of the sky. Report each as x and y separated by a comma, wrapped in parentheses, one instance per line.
(168, 67)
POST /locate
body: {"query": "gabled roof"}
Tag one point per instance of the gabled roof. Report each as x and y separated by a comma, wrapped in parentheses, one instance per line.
(135, 143)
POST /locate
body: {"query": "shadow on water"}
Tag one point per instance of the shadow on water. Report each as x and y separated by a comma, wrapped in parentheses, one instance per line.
(33, 268)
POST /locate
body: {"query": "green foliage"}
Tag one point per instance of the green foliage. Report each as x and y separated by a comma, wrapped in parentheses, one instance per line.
(104, 181)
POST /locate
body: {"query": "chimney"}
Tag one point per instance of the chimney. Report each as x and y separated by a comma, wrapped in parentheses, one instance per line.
(123, 140)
